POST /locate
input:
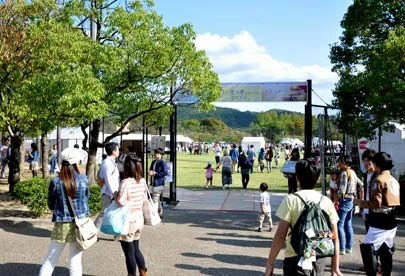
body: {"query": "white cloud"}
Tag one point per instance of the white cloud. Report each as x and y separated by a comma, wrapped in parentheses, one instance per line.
(241, 59)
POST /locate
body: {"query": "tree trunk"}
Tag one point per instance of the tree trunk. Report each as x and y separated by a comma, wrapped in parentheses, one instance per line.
(14, 161)
(44, 150)
(92, 152)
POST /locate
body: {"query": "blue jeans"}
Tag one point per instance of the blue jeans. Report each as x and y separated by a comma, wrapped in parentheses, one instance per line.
(4, 163)
(345, 227)
(53, 165)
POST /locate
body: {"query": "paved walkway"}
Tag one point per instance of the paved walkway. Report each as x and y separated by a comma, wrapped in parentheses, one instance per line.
(208, 233)
(223, 200)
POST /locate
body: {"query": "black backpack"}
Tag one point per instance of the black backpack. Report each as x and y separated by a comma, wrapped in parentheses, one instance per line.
(312, 233)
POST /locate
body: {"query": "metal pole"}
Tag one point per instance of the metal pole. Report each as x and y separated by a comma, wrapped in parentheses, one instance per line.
(173, 134)
(145, 148)
(326, 134)
(308, 121)
(173, 154)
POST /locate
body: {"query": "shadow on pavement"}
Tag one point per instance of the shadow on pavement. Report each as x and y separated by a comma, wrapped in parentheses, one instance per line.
(231, 259)
(241, 243)
(23, 228)
(234, 235)
(214, 220)
(10, 269)
(219, 271)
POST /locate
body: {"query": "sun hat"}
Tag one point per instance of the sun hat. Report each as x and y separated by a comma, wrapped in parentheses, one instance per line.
(71, 155)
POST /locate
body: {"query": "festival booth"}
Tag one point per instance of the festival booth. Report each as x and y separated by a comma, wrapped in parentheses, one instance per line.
(392, 143)
(257, 142)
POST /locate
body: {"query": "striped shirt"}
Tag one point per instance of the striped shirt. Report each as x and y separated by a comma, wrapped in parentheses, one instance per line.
(132, 192)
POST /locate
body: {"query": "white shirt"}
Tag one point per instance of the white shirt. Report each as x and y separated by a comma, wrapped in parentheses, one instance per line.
(3, 151)
(367, 195)
(109, 172)
(265, 200)
(217, 151)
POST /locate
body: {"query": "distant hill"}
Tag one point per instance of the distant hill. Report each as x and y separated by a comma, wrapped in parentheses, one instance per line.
(231, 117)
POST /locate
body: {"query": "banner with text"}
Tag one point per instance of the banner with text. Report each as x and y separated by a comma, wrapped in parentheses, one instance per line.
(264, 92)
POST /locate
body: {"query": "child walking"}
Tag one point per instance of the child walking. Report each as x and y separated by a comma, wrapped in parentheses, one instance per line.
(209, 172)
(265, 208)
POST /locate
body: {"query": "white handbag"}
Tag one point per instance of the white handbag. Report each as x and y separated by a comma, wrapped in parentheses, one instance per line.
(150, 210)
(86, 230)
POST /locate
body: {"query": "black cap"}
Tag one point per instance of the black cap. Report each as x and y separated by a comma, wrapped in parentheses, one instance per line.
(159, 150)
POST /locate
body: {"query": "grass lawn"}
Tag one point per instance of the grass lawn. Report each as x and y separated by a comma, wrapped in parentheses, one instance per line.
(191, 174)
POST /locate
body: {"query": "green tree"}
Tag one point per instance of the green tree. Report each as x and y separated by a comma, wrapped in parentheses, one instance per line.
(190, 125)
(149, 67)
(370, 64)
(267, 124)
(274, 126)
(46, 75)
(213, 126)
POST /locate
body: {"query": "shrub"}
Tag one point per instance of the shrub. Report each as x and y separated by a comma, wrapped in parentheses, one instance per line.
(34, 193)
(94, 200)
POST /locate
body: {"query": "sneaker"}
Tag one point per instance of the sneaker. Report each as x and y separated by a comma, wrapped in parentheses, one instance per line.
(342, 252)
(259, 230)
(349, 251)
(206, 187)
(271, 228)
(223, 187)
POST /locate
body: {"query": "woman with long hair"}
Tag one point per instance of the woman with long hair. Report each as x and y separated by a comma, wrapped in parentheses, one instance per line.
(133, 191)
(69, 183)
(348, 187)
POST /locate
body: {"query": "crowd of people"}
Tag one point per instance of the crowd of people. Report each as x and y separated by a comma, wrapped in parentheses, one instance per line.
(232, 158)
(376, 192)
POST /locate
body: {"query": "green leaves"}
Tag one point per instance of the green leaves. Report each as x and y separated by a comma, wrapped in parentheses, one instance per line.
(370, 63)
(52, 73)
(275, 126)
(53, 83)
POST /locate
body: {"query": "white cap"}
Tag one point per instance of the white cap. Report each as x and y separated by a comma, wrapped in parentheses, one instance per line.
(71, 155)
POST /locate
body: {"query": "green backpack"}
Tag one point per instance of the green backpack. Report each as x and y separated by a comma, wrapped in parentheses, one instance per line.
(312, 233)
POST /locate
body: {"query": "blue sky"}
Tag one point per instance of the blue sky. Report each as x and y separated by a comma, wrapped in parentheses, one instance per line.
(264, 40)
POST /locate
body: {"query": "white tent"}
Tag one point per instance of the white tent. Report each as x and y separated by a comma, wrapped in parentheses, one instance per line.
(257, 142)
(70, 136)
(67, 133)
(394, 144)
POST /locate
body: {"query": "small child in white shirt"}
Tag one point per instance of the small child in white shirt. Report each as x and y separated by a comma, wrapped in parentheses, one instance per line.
(265, 208)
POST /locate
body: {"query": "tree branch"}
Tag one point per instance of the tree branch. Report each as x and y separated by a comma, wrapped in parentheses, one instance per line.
(132, 117)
